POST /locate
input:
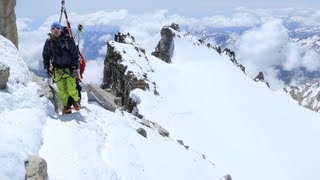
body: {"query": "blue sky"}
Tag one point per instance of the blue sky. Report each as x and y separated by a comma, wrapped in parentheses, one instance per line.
(41, 9)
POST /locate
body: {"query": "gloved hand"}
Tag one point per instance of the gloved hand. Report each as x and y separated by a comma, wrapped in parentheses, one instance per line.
(49, 71)
(74, 73)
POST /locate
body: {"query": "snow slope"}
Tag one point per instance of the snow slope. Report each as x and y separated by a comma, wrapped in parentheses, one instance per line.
(238, 124)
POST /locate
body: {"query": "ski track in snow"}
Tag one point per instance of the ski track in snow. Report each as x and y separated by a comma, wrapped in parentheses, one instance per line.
(76, 141)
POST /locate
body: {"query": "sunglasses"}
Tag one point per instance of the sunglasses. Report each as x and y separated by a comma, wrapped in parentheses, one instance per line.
(55, 28)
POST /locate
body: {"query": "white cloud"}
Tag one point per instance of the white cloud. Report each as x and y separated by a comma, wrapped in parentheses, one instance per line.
(312, 19)
(311, 61)
(292, 60)
(24, 24)
(94, 72)
(262, 46)
(100, 18)
(238, 19)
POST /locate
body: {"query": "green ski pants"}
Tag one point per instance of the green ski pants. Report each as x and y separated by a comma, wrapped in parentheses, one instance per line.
(66, 85)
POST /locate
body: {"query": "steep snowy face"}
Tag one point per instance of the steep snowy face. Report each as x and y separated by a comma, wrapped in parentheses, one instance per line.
(239, 124)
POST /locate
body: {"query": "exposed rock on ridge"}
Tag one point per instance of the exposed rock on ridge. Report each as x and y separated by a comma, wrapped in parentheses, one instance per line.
(260, 78)
(117, 79)
(228, 52)
(8, 27)
(165, 47)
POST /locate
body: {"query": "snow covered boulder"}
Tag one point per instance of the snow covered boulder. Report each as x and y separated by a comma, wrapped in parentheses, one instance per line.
(4, 75)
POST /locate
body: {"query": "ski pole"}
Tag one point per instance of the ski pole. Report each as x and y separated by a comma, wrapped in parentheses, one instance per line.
(77, 36)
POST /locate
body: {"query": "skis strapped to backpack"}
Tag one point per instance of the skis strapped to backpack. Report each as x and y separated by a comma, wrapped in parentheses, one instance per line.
(64, 11)
(80, 27)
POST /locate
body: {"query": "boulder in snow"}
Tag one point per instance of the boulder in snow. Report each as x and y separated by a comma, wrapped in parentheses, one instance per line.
(104, 98)
(142, 132)
(4, 75)
(227, 177)
(36, 168)
(155, 126)
(187, 147)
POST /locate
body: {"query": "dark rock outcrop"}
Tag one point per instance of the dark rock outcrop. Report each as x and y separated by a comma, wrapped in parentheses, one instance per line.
(142, 132)
(260, 78)
(165, 47)
(8, 27)
(124, 38)
(155, 126)
(230, 53)
(4, 75)
(227, 177)
(185, 146)
(119, 82)
(232, 57)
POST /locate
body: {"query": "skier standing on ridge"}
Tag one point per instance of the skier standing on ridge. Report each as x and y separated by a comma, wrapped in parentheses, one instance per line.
(61, 59)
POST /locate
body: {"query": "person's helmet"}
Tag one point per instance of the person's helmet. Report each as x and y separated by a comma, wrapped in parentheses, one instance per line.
(56, 25)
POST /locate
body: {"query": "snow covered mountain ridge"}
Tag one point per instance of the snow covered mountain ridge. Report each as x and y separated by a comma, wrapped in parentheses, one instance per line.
(203, 98)
(199, 80)
(127, 66)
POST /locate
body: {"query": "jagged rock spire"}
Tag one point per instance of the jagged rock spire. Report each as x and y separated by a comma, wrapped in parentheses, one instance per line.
(165, 47)
(8, 27)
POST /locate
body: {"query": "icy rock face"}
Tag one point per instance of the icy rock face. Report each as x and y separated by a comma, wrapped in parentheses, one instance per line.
(8, 27)
(307, 96)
